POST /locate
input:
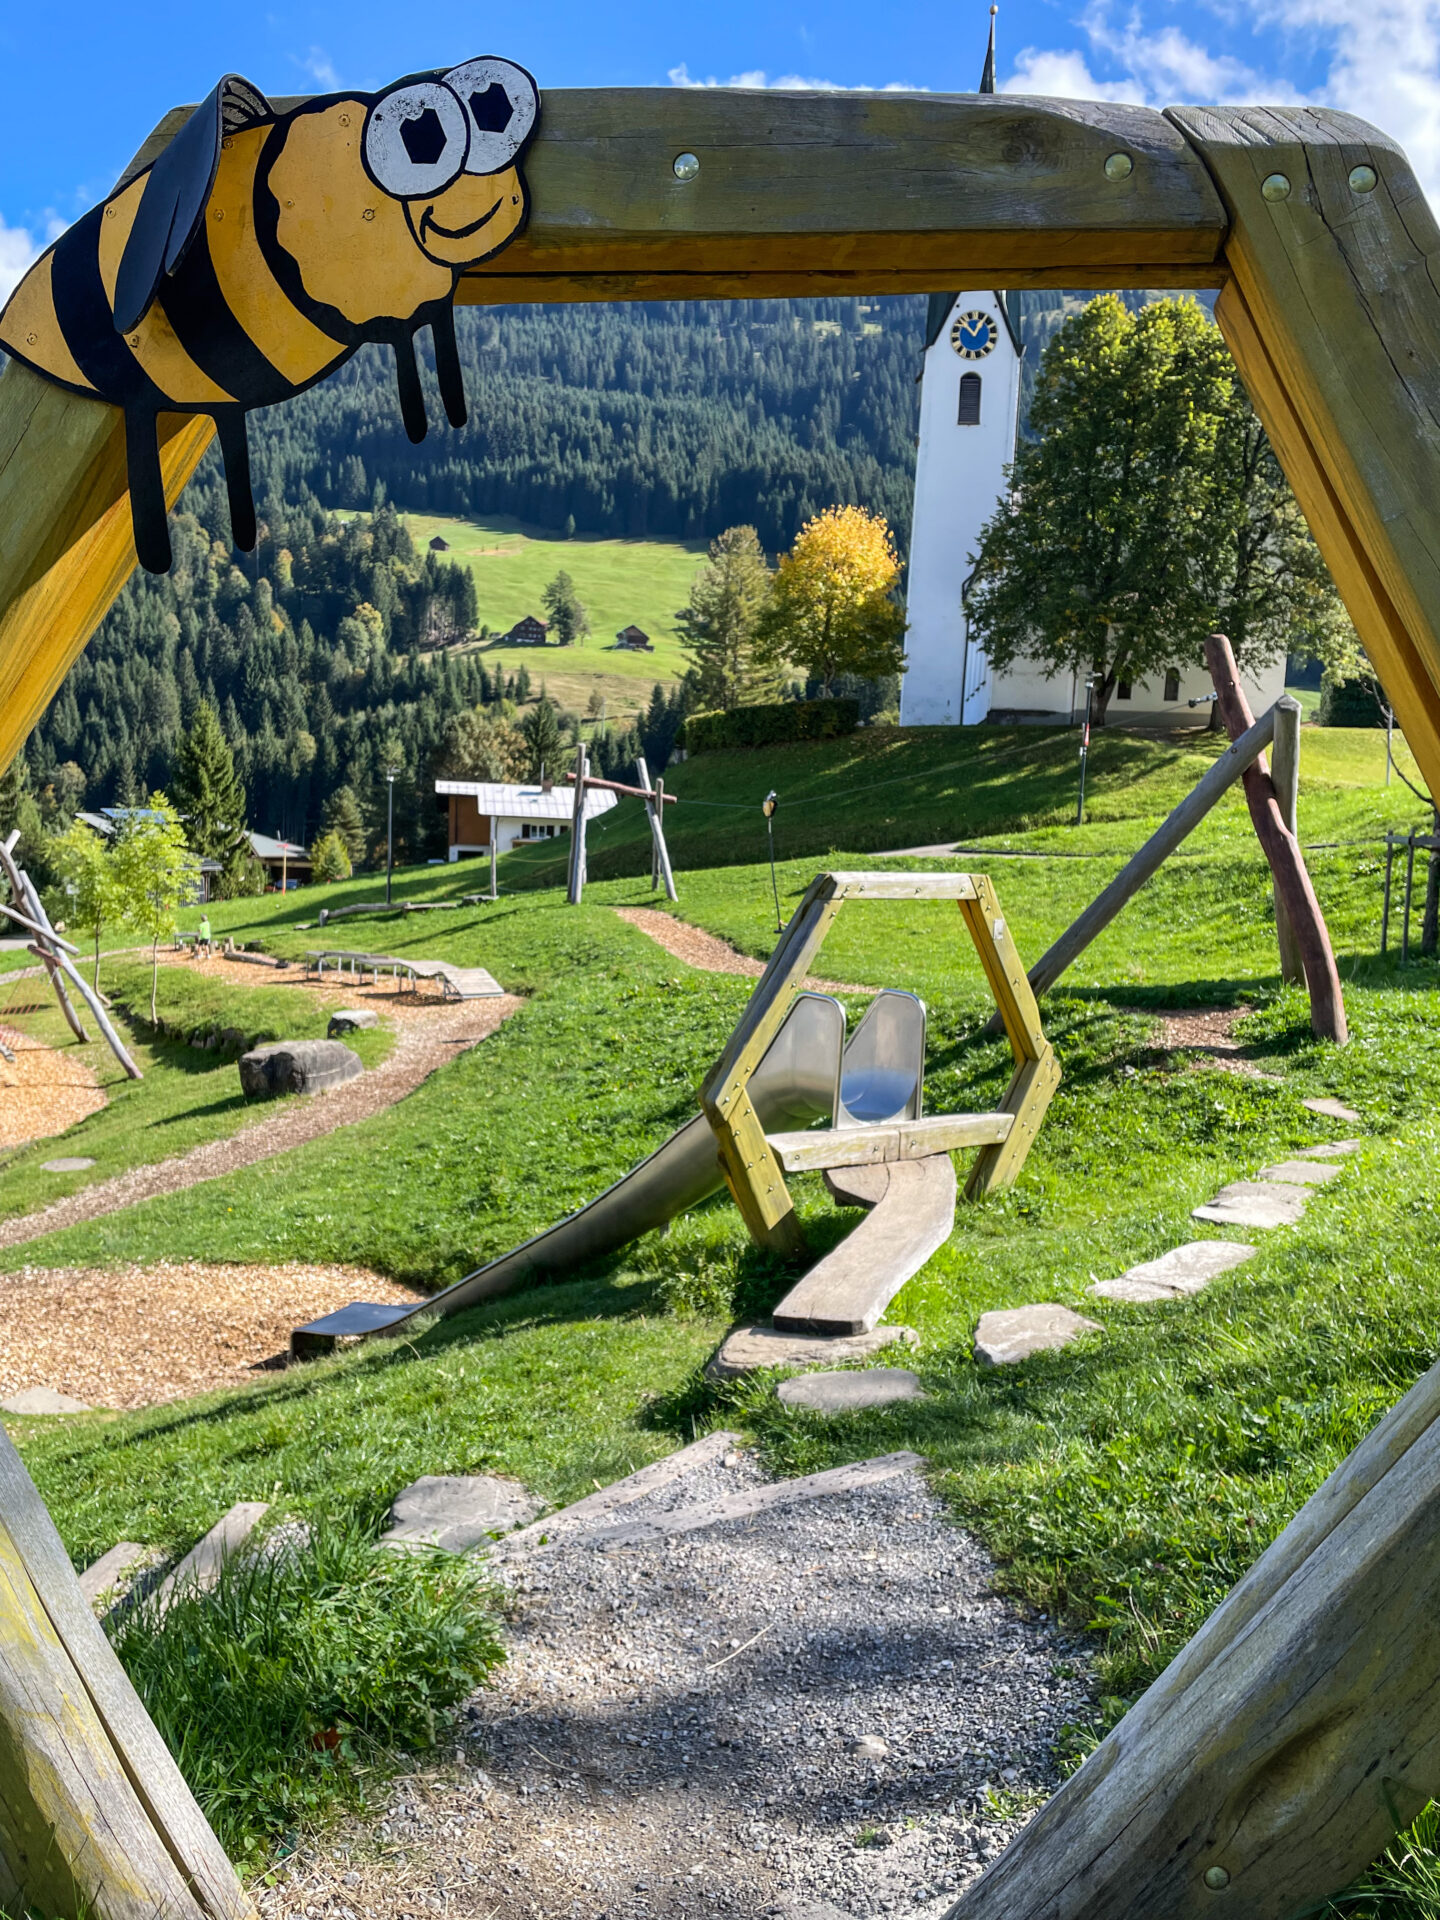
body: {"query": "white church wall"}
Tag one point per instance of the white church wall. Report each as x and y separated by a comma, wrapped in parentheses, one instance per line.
(1023, 693)
(959, 475)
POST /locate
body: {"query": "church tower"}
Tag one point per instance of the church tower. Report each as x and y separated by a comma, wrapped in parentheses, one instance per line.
(969, 405)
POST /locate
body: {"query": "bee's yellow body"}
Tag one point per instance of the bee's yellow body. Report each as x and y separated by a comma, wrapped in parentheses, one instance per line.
(346, 220)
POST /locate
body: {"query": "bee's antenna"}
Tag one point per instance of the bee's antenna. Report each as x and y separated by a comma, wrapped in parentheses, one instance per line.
(447, 366)
(412, 394)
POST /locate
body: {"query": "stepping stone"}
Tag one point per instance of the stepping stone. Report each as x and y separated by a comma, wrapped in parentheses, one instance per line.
(1182, 1271)
(455, 1511)
(1255, 1203)
(594, 1507)
(1332, 1109)
(1005, 1337)
(748, 1349)
(43, 1400)
(298, 1066)
(73, 1163)
(200, 1570)
(850, 1392)
(1300, 1173)
(1333, 1150)
(351, 1020)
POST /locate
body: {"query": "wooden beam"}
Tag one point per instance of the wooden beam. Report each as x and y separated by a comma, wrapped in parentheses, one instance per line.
(811, 192)
(66, 545)
(1333, 316)
(1285, 773)
(906, 886)
(1272, 1761)
(870, 1146)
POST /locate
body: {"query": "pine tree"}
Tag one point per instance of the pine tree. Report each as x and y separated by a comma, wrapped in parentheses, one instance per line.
(211, 800)
(717, 627)
(543, 738)
(342, 816)
(569, 622)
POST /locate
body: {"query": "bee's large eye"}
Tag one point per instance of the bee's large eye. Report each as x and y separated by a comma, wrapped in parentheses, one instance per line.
(416, 139)
(501, 102)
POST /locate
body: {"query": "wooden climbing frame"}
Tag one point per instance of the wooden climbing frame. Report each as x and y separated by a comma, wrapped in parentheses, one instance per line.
(1309, 222)
(751, 1162)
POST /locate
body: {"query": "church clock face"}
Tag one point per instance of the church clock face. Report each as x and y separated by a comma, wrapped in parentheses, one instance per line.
(974, 334)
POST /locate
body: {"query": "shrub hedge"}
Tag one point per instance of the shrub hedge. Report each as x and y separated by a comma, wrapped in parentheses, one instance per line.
(770, 726)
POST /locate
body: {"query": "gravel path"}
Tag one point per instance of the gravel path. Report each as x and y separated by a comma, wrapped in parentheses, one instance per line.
(710, 954)
(825, 1704)
(429, 1035)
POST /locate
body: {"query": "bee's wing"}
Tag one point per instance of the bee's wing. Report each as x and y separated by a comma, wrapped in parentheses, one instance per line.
(173, 204)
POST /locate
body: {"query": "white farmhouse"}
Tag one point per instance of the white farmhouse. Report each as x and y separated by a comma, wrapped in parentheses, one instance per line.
(482, 811)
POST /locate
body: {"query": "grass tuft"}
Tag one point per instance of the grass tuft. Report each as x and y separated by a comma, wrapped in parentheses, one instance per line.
(307, 1672)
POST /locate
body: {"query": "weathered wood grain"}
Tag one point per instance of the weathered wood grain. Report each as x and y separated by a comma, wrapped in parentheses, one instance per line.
(142, 1756)
(1333, 315)
(1285, 775)
(1032, 1088)
(1282, 850)
(871, 1146)
(1212, 785)
(905, 886)
(1280, 1748)
(849, 1289)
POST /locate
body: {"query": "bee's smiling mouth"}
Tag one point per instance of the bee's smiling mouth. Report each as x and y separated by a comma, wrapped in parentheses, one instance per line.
(429, 224)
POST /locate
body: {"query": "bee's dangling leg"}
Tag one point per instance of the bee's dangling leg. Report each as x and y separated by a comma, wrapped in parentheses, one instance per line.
(412, 396)
(447, 367)
(235, 448)
(147, 490)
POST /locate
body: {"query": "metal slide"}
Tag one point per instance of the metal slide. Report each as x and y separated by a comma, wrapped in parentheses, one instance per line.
(808, 1074)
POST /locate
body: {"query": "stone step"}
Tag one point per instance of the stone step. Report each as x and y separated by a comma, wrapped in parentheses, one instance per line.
(749, 1349)
(200, 1570)
(1011, 1334)
(832, 1393)
(456, 1511)
(1255, 1203)
(598, 1506)
(1177, 1274)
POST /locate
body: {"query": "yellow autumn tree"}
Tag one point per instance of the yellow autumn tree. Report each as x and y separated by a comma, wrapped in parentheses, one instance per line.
(833, 606)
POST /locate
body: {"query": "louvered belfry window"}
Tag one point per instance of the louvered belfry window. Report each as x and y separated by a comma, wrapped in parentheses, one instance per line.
(969, 400)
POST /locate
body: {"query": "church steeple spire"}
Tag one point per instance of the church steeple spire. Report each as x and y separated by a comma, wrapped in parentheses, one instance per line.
(987, 78)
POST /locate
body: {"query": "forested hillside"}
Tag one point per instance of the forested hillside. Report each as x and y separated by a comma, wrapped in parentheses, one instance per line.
(667, 419)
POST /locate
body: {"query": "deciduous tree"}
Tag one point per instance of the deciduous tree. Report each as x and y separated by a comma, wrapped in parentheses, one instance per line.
(86, 876)
(1147, 511)
(833, 606)
(479, 746)
(155, 875)
(717, 626)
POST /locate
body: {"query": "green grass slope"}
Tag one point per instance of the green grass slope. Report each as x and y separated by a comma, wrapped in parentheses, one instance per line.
(621, 582)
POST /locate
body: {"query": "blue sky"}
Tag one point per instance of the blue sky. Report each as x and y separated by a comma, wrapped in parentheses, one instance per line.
(85, 82)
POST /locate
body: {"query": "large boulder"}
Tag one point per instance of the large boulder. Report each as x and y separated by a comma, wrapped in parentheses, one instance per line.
(297, 1066)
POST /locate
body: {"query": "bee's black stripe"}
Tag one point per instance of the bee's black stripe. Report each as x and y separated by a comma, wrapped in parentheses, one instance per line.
(214, 338)
(87, 323)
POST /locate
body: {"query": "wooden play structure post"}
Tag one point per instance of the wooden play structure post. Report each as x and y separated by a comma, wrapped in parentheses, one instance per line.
(95, 1818)
(752, 1168)
(1293, 891)
(655, 814)
(1278, 1752)
(1285, 774)
(576, 885)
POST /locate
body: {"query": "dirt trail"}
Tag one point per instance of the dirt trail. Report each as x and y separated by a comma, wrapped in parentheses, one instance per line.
(428, 1036)
(712, 955)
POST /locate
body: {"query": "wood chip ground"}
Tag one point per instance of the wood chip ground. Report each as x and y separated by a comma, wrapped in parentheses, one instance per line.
(131, 1336)
(43, 1091)
(709, 954)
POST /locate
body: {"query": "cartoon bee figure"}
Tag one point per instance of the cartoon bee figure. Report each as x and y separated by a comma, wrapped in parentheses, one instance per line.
(261, 249)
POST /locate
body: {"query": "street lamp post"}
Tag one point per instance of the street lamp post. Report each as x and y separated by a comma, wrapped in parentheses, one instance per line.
(1084, 749)
(767, 807)
(390, 773)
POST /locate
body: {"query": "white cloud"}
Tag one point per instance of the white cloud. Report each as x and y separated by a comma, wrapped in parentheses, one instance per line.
(785, 82)
(320, 67)
(18, 247)
(1066, 76)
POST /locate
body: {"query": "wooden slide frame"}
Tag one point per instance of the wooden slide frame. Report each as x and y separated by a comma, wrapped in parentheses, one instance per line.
(749, 1160)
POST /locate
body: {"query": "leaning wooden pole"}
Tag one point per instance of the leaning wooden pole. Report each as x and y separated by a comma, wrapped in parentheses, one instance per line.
(576, 886)
(1285, 772)
(655, 811)
(1274, 1758)
(1282, 850)
(1212, 786)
